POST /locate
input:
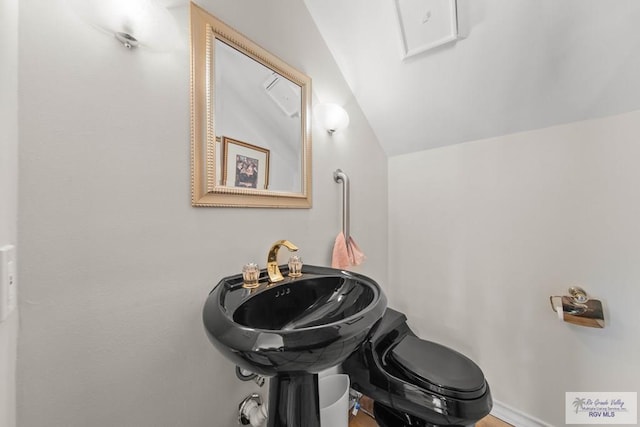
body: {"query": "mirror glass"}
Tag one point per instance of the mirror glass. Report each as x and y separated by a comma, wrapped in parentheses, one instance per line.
(258, 109)
(251, 136)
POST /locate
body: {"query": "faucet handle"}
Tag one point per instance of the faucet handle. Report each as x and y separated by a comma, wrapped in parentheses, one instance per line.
(295, 266)
(250, 275)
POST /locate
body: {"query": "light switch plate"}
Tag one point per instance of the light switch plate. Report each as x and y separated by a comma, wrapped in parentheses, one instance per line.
(8, 281)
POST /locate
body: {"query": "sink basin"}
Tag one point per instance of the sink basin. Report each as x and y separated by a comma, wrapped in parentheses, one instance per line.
(313, 301)
(291, 330)
(304, 324)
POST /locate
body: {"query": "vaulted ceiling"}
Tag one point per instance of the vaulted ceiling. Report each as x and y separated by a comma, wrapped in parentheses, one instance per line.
(519, 65)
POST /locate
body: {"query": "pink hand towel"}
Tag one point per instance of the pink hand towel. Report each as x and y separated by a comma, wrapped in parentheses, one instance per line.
(346, 255)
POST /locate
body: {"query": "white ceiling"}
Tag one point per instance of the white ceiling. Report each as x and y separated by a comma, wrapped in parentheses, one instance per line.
(522, 64)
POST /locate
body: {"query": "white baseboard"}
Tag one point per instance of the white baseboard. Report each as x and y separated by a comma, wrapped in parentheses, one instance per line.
(515, 417)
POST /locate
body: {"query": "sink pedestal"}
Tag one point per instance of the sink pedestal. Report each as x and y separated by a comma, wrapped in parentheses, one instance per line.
(293, 400)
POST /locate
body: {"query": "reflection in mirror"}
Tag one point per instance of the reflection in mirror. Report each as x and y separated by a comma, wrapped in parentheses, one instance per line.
(271, 104)
(251, 127)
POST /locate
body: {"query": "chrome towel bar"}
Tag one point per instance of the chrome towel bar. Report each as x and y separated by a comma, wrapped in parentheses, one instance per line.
(339, 176)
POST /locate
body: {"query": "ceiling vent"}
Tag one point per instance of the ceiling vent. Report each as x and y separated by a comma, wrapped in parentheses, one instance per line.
(283, 94)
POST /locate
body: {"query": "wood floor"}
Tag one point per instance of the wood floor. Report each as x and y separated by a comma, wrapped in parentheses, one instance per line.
(364, 420)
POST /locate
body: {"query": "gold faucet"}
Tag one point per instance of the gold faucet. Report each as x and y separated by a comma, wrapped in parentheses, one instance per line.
(272, 260)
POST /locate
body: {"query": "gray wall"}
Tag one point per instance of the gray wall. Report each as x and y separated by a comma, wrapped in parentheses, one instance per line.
(8, 193)
(115, 263)
(499, 225)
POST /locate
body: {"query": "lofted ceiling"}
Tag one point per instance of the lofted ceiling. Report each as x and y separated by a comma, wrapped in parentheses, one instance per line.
(520, 65)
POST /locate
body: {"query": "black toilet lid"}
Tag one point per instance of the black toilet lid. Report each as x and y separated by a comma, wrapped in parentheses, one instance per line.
(452, 373)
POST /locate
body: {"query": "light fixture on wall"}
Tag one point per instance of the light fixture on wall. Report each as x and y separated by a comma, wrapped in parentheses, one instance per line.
(127, 40)
(144, 23)
(332, 117)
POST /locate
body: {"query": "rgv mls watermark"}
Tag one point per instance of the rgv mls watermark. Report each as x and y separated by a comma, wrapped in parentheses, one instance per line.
(601, 407)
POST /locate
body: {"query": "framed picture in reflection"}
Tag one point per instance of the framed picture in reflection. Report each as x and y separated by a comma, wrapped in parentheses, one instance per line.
(244, 165)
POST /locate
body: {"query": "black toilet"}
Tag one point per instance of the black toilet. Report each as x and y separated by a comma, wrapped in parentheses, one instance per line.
(416, 382)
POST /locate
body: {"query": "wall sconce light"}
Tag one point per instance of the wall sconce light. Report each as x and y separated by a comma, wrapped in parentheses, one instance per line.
(332, 117)
(134, 23)
(127, 40)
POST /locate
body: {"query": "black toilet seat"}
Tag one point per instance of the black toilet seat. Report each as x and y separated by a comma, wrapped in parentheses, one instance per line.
(437, 368)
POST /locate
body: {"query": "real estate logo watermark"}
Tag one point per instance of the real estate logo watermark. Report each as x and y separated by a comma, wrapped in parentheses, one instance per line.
(601, 407)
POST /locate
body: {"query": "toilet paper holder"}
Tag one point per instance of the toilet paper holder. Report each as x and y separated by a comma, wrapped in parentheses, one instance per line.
(578, 308)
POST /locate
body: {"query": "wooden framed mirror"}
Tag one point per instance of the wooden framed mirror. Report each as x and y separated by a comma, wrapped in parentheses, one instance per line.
(250, 122)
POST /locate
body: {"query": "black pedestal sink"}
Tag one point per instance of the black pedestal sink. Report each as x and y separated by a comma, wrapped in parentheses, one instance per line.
(291, 330)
